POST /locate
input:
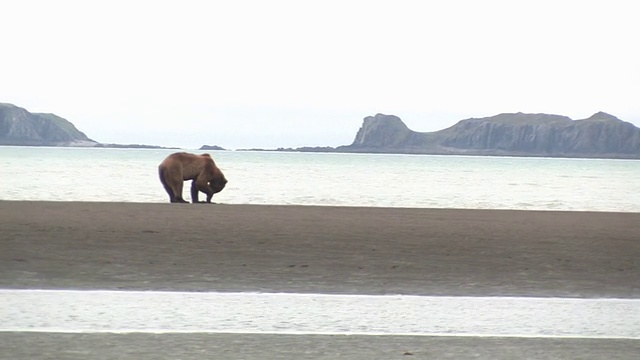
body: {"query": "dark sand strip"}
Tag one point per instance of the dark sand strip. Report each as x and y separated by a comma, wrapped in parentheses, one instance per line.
(247, 346)
(318, 249)
(315, 249)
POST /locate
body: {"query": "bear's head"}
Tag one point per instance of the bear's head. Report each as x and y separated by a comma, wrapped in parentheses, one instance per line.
(216, 185)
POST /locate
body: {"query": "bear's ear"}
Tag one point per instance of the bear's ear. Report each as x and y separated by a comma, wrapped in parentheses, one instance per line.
(206, 155)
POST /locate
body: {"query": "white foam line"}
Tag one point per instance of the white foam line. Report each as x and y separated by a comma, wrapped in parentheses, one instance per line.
(302, 333)
(311, 295)
(98, 311)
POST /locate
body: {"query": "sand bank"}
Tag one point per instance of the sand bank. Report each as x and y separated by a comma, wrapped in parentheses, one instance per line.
(200, 247)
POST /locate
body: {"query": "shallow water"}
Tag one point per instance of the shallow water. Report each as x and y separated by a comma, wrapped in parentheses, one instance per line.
(423, 181)
(170, 312)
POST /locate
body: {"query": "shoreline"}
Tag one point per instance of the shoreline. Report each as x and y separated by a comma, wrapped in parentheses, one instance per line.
(8, 202)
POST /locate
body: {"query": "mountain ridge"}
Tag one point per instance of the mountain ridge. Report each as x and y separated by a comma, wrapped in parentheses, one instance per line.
(601, 135)
(20, 127)
(516, 134)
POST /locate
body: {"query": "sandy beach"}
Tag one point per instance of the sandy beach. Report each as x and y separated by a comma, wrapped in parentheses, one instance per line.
(204, 247)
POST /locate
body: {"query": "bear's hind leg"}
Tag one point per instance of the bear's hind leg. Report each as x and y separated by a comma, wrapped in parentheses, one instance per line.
(168, 185)
(174, 188)
(177, 188)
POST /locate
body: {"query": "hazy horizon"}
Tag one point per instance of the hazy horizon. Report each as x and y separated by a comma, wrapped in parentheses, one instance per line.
(191, 146)
(251, 74)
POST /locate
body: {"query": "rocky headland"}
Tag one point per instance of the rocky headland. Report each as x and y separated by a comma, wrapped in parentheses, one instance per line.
(517, 134)
(20, 127)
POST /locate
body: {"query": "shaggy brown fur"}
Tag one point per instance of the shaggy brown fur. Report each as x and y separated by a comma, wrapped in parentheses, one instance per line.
(201, 169)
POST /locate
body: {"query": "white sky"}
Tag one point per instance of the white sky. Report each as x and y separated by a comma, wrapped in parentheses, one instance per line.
(275, 73)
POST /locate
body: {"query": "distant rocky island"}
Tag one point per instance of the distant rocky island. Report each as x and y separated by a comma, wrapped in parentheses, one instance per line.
(21, 128)
(211, 147)
(515, 134)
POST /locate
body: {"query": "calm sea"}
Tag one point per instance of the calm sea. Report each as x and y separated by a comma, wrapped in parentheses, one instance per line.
(130, 175)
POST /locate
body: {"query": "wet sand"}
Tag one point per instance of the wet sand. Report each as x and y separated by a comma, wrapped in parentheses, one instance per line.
(203, 247)
(248, 346)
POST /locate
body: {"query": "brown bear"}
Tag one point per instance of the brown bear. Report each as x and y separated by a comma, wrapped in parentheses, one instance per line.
(201, 169)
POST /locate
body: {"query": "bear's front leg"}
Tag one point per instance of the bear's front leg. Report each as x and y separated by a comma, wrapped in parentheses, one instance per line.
(194, 193)
(197, 186)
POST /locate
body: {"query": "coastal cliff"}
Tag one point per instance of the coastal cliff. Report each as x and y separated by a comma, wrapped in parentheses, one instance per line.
(20, 127)
(601, 135)
(514, 134)
(387, 132)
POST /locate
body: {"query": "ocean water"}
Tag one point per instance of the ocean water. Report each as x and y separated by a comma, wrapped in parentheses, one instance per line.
(381, 180)
(280, 313)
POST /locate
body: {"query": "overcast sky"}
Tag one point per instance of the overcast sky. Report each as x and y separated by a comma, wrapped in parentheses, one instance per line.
(294, 73)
